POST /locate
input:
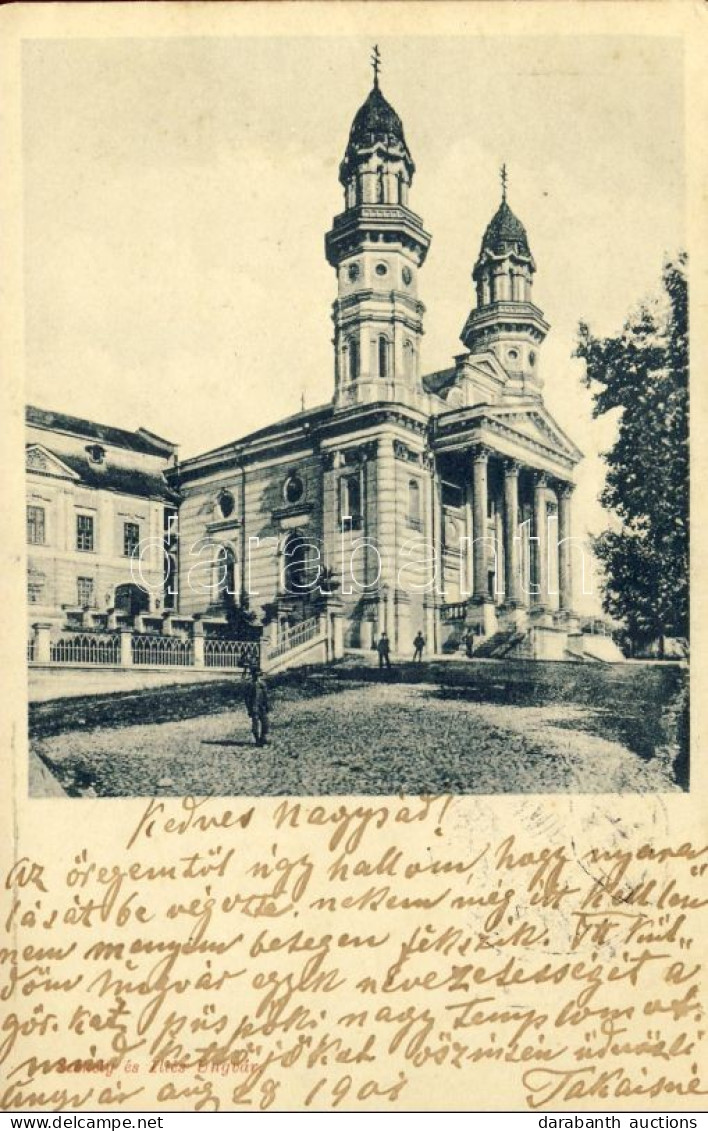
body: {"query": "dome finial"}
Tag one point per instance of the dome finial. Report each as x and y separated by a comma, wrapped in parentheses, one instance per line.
(376, 64)
(503, 177)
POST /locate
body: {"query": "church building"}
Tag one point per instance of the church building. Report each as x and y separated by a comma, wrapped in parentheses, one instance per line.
(438, 502)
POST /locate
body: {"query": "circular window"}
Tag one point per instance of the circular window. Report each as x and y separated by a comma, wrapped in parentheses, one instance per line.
(227, 503)
(407, 276)
(353, 272)
(294, 488)
(381, 269)
(513, 355)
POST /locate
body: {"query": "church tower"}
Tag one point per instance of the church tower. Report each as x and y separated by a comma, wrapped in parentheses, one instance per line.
(377, 246)
(505, 321)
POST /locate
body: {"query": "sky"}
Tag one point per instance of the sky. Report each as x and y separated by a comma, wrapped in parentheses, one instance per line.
(177, 192)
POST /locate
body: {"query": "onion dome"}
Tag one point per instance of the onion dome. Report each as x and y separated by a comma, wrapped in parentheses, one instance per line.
(375, 120)
(376, 125)
(505, 233)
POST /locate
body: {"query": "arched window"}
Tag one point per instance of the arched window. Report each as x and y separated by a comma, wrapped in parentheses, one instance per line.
(414, 503)
(295, 580)
(383, 357)
(353, 347)
(131, 598)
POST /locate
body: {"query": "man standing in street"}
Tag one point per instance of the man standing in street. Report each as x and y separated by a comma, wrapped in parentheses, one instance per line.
(419, 644)
(257, 707)
(384, 650)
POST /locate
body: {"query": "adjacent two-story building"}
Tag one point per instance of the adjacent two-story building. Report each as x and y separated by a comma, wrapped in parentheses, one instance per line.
(99, 516)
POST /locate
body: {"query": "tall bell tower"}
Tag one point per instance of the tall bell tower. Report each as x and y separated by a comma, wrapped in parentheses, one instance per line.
(377, 246)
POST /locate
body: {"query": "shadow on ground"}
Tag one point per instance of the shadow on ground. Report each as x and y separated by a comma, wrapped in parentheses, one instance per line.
(644, 708)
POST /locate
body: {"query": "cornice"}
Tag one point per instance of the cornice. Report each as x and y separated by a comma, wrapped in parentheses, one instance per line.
(454, 431)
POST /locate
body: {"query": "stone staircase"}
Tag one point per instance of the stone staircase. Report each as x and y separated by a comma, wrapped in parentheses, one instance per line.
(500, 644)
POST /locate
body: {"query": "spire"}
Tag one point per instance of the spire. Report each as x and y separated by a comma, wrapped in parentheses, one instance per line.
(376, 64)
(504, 318)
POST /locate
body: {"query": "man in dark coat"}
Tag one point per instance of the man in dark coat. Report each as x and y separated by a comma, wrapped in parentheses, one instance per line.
(419, 645)
(384, 650)
(257, 707)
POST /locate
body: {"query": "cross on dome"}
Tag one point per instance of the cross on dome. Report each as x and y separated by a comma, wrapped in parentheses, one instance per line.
(376, 63)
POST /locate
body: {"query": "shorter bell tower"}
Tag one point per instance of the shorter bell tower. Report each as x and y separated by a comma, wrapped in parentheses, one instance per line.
(377, 246)
(505, 320)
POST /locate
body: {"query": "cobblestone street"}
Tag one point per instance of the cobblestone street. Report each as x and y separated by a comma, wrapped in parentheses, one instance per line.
(347, 732)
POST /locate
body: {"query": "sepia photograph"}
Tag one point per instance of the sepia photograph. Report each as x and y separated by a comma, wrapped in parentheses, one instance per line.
(357, 455)
(352, 716)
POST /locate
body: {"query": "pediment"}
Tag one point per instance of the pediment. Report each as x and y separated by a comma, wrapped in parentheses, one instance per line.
(480, 377)
(488, 365)
(535, 423)
(43, 462)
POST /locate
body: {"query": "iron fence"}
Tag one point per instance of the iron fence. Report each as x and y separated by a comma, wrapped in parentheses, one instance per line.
(292, 637)
(85, 648)
(163, 651)
(231, 653)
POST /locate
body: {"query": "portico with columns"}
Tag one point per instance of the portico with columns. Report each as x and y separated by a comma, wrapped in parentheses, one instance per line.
(517, 558)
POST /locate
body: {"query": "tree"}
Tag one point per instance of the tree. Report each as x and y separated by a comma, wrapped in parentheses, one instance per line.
(643, 373)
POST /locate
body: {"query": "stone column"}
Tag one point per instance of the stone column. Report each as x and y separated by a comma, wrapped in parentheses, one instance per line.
(480, 457)
(468, 590)
(512, 580)
(432, 596)
(540, 525)
(565, 571)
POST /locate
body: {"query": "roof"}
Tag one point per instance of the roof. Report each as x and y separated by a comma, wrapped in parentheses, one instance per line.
(438, 381)
(108, 477)
(504, 233)
(305, 416)
(375, 120)
(304, 419)
(378, 117)
(141, 441)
